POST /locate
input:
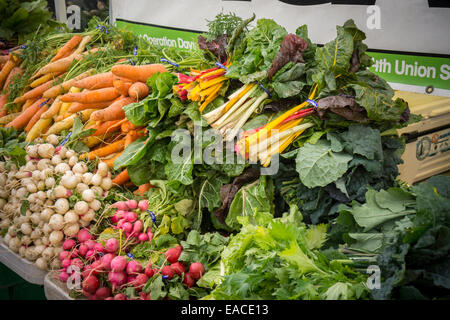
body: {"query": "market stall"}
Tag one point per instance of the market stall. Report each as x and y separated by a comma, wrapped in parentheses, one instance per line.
(252, 163)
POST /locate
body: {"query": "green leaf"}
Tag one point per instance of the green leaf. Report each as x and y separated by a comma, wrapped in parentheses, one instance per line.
(24, 207)
(134, 151)
(317, 165)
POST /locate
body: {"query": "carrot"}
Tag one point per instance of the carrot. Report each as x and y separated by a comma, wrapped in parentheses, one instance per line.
(76, 106)
(9, 65)
(8, 118)
(28, 103)
(36, 117)
(67, 123)
(97, 81)
(121, 178)
(4, 59)
(92, 141)
(132, 136)
(110, 161)
(36, 92)
(68, 47)
(60, 65)
(113, 112)
(40, 127)
(93, 96)
(22, 120)
(11, 76)
(122, 85)
(105, 127)
(127, 126)
(83, 44)
(54, 108)
(3, 100)
(142, 189)
(43, 79)
(55, 91)
(137, 73)
(116, 146)
(138, 90)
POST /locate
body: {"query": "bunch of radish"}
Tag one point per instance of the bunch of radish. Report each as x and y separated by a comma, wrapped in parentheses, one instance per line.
(51, 175)
(127, 219)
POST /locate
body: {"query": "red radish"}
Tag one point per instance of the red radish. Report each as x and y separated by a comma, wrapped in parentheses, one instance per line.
(117, 278)
(66, 263)
(63, 276)
(69, 244)
(99, 247)
(120, 296)
(140, 281)
(149, 271)
(106, 261)
(131, 279)
(82, 250)
(188, 280)
(133, 267)
(120, 223)
(77, 262)
(103, 293)
(196, 270)
(90, 255)
(143, 205)
(109, 298)
(178, 268)
(142, 237)
(118, 263)
(121, 214)
(131, 216)
(121, 205)
(132, 204)
(90, 244)
(88, 295)
(149, 235)
(167, 271)
(74, 253)
(137, 228)
(97, 265)
(90, 284)
(64, 255)
(173, 254)
(112, 245)
(83, 235)
(144, 296)
(114, 219)
(127, 227)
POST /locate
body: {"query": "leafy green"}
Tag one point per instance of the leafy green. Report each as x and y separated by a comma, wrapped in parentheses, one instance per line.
(12, 146)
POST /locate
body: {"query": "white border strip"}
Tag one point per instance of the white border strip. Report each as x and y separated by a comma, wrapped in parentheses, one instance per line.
(419, 89)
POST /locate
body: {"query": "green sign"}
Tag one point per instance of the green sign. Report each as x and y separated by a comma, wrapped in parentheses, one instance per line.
(412, 70)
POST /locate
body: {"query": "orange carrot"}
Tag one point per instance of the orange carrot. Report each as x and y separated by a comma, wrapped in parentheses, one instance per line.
(22, 120)
(55, 91)
(3, 100)
(93, 96)
(28, 103)
(121, 178)
(142, 189)
(137, 73)
(60, 65)
(11, 76)
(127, 126)
(97, 81)
(113, 112)
(122, 85)
(107, 126)
(76, 106)
(110, 161)
(138, 90)
(36, 117)
(9, 65)
(116, 146)
(68, 47)
(36, 92)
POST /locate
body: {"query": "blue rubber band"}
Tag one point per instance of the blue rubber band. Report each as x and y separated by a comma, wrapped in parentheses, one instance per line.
(65, 139)
(268, 93)
(152, 215)
(129, 255)
(165, 277)
(313, 103)
(135, 50)
(102, 28)
(44, 103)
(132, 62)
(221, 66)
(169, 62)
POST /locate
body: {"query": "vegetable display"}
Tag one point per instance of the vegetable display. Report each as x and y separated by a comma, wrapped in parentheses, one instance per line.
(299, 196)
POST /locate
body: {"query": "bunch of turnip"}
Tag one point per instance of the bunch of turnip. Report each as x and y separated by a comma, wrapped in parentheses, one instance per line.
(51, 175)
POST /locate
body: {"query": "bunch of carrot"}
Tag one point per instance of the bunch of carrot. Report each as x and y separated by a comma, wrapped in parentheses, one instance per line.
(9, 69)
(201, 85)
